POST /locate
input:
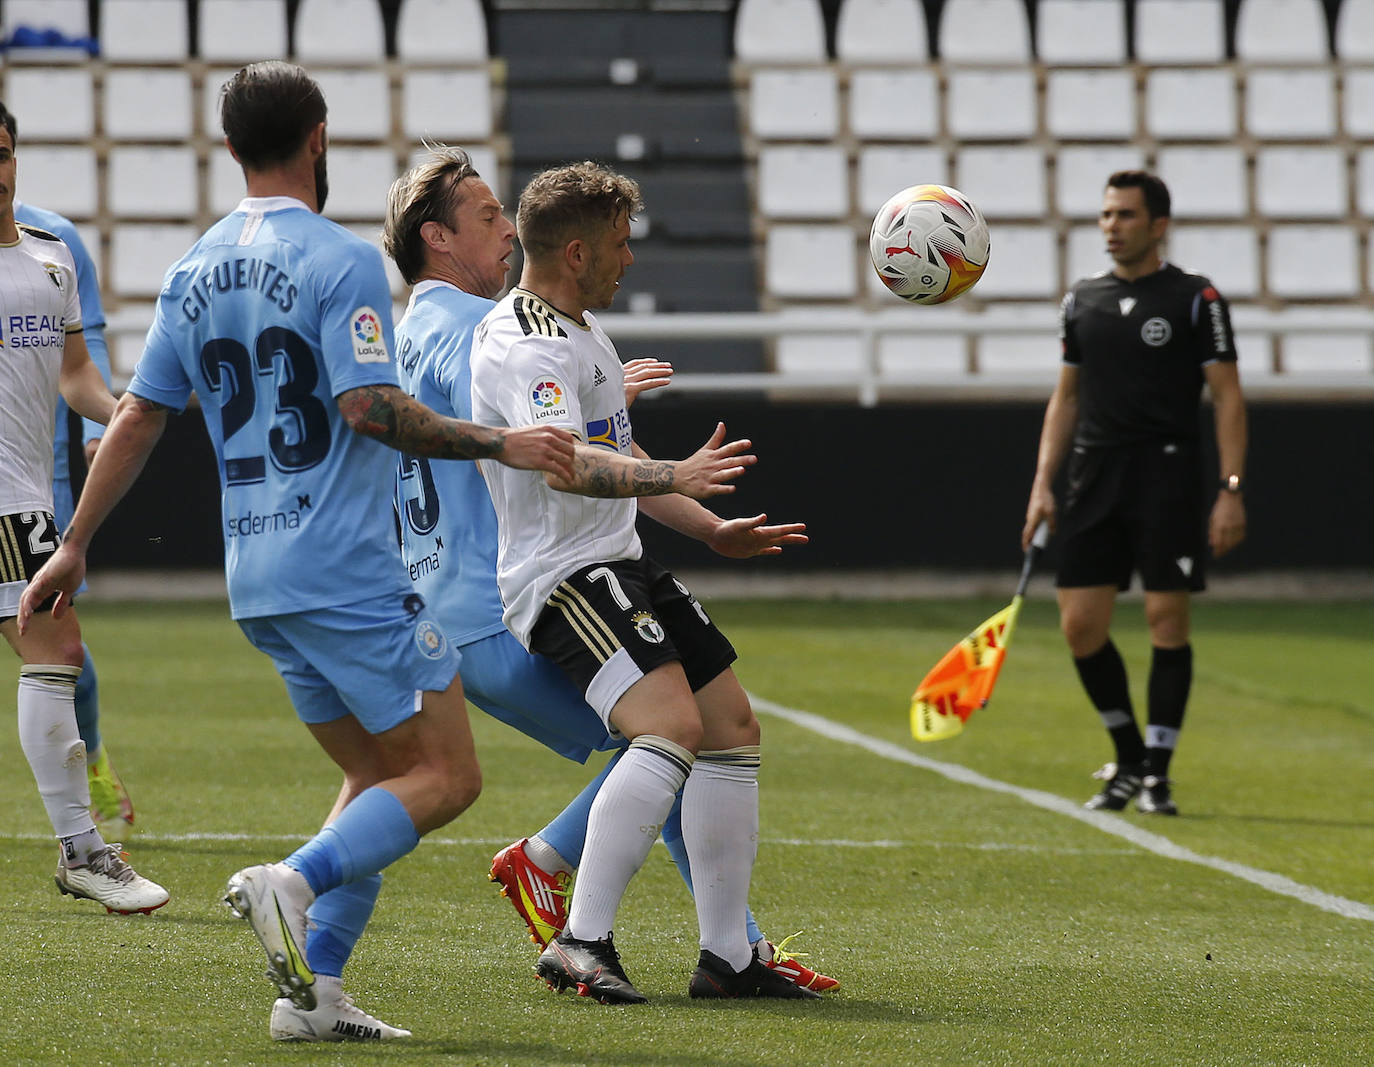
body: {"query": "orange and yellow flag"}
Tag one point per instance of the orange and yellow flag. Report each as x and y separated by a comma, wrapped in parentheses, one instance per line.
(962, 681)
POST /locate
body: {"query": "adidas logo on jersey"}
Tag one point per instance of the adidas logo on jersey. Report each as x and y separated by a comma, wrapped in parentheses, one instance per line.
(598, 378)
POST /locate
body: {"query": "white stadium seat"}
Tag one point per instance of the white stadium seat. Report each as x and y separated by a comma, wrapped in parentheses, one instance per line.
(71, 17)
(984, 31)
(885, 170)
(1081, 173)
(1017, 359)
(358, 182)
(1357, 104)
(61, 178)
(140, 254)
(241, 29)
(794, 104)
(817, 355)
(449, 104)
(1005, 182)
(1085, 254)
(1313, 261)
(1229, 255)
(1024, 263)
(1081, 32)
(1180, 31)
(139, 31)
(803, 182)
(813, 262)
(991, 105)
(332, 31)
(1309, 356)
(1282, 104)
(359, 103)
(931, 358)
(1205, 181)
(1355, 31)
(1301, 183)
(1190, 105)
(873, 116)
(1364, 182)
(774, 31)
(145, 182)
(1097, 105)
(148, 104)
(1282, 31)
(441, 31)
(51, 103)
(882, 31)
(225, 184)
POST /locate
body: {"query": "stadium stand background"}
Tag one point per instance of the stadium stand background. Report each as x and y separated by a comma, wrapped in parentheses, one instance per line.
(765, 133)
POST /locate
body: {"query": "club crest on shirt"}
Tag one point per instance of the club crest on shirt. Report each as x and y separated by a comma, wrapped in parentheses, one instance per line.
(369, 344)
(430, 640)
(647, 627)
(55, 273)
(548, 399)
(1156, 332)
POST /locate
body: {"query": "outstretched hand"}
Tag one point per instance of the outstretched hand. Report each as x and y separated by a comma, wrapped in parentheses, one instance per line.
(641, 375)
(538, 448)
(711, 468)
(744, 538)
(63, 575)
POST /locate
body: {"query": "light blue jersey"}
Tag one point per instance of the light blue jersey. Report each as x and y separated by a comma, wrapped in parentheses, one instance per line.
(92, 321)
(272, 315)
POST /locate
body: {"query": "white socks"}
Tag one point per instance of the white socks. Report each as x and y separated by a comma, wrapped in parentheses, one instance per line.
(623, 824)
(720, 826)
(56, 754)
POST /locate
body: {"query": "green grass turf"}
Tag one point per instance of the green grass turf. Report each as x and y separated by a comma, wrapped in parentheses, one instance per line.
(966, 925)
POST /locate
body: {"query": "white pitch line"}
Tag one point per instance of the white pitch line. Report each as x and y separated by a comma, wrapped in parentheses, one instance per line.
(1108, 824)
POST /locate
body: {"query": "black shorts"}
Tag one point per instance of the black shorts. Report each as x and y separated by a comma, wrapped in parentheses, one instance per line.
(609, 624)
(27, 541)
(1134, 509)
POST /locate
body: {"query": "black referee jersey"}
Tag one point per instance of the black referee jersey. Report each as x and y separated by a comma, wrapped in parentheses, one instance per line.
(1140, 347)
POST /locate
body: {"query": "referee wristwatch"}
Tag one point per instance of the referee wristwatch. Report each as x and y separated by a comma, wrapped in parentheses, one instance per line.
(1232, 484)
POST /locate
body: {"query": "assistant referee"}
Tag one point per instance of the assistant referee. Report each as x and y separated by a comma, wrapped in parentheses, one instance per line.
(1139, 341)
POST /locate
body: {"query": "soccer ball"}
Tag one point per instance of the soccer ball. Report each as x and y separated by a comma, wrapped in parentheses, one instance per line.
(929, 243)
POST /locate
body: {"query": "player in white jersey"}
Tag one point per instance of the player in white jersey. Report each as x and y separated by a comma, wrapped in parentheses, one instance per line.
(578, 588)
(451, 240)
(272, 319)
(42, 352)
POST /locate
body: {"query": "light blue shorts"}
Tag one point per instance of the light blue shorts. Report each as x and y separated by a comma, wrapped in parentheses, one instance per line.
(371, 660)
(530, 693)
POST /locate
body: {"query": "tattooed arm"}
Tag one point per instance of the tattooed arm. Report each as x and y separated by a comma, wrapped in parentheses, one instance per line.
(707, 472)
(387, 414)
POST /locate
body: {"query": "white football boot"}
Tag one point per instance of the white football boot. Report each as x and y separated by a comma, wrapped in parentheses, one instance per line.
(273, 898)
(108, 879)
(335, 1018)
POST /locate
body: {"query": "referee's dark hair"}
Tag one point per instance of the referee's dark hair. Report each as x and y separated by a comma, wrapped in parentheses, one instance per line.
(8, 122)
(1156, 193)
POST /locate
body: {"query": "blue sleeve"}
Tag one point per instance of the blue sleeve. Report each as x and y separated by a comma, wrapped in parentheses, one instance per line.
(100, 356)
(160, 376)
(356, 339)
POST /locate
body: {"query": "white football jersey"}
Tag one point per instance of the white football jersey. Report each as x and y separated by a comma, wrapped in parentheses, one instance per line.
(534, 366)
(39, 306)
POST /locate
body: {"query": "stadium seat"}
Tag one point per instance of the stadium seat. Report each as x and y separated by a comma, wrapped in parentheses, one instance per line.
(333, 31)
(1206, 182)
(882, 31)
(692, 278)
(1288, 104)
(1229, 255)
(441, 31)
(241, 29)
(803, 182)
(800, 356)
(146, 182)
(358, 181)
(928, 359)
(1081, 32)
(51, 103)
(1357, 104)
(779, 31)
(1081, 172)
(485, 160)
(1315, 356)
(794, 104)
(1270, 31)
(991, 105)
(1301, 183)
(1355, 31)
(450, 104)
(872, 116)
(984, 31)
(1191, 105)
(1085, 253)
(1024, 263)
(148, 104)
(1004, 181)
(1364, 182)
(633, 124)
(61, 178)
(1097, 105)
(1027, 358)
(137, 31)
(70, 17)
(359, 103)
(885, 170)
(224, 183)
(815, 262)
(214, 82)
(1180, 31)
(694, 203)
(1304, 262)
(140, 254)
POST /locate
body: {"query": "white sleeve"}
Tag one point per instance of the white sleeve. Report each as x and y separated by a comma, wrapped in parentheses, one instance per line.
(538, 385)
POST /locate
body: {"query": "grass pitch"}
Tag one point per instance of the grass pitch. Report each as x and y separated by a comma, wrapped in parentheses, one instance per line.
(968, 924)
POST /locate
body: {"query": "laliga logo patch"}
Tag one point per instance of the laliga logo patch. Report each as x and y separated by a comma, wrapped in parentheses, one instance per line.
(430, 640)
(647, 627)
(547, 399)
(1156, 332)
(369, 346)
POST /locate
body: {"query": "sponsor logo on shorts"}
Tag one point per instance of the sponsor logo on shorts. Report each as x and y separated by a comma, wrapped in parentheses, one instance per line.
(369, 346)
(647, 627)
(1156, 332)
(430, 640)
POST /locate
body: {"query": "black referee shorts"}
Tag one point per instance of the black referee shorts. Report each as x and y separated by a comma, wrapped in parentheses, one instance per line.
(1134, 509)
(609, 624)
